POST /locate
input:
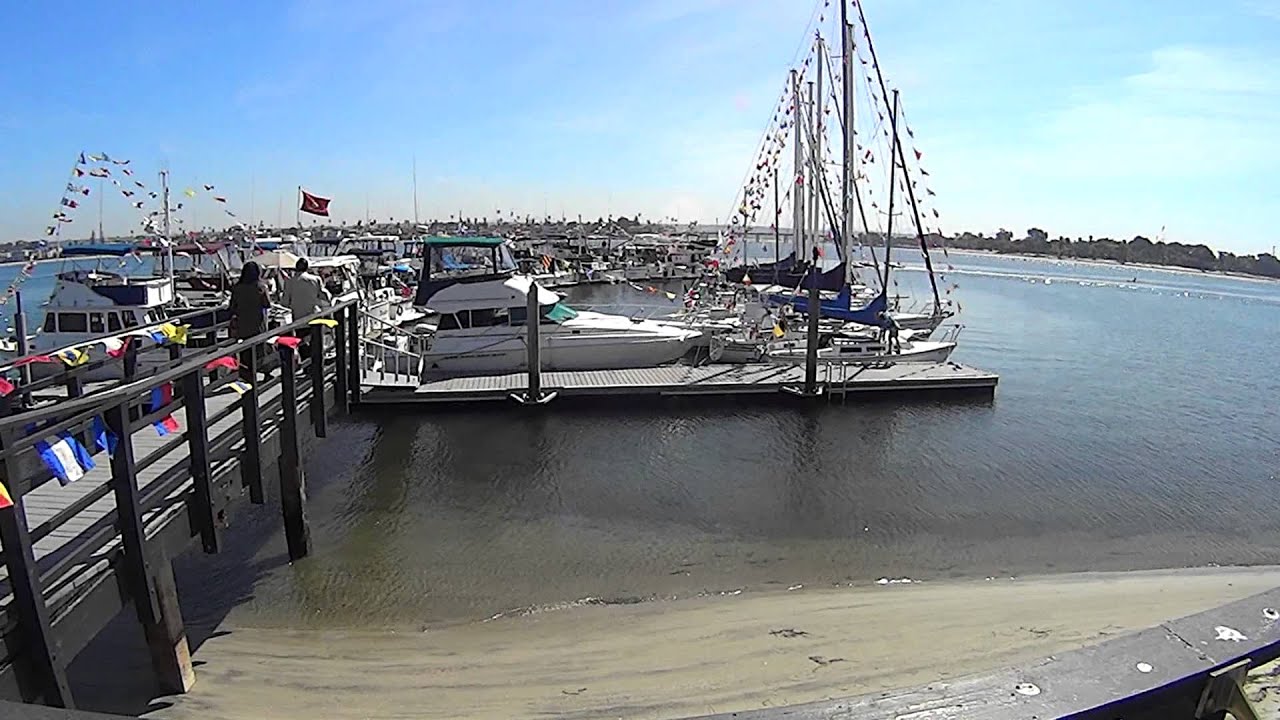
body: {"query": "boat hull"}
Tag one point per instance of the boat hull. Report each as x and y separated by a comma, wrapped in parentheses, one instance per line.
(917, 352)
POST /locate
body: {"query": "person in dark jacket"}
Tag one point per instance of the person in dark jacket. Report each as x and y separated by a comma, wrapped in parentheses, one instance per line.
(249, 305)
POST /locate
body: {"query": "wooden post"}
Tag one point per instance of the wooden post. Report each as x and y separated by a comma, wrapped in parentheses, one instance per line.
(340, 387)
(150, 584)
(318, 419)
(130, 361)
(251, 456)
(533, 342)
(811, 340)
(198, 451)
(293, 492)
(355, 364)
(48, 677)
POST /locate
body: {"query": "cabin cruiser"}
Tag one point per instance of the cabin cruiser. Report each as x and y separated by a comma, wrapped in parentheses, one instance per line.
(86, 305)
(471, 284)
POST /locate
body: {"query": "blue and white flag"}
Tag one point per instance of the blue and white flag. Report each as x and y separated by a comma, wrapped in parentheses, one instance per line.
(65, 457)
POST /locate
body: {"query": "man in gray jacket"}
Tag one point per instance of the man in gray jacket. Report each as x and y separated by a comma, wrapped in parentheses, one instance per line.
(305, 294)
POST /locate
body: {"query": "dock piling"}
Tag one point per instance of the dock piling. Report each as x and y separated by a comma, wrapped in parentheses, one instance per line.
(316, 368)
(167, 636)
(45, 672)
(198, 451)
(293, 494)
(811, 340)
(356, 362)
(251, 456)
(340, 398)
(533, 394)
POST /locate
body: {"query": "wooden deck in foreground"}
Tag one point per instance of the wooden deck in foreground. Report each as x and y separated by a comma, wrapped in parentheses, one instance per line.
(684, 380)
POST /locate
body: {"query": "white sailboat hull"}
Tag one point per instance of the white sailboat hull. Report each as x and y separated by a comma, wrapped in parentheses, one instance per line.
(924, 351)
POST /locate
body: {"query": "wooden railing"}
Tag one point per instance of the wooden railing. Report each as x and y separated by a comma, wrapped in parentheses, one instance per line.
(146, 500)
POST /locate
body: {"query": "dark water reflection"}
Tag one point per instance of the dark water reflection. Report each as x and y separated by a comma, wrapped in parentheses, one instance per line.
(1135, 427)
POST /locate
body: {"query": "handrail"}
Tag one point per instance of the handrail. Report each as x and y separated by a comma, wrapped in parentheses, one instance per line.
(119, 393)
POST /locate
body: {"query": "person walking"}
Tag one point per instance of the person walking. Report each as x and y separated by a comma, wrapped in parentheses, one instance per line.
(249, 305)
(304, 295)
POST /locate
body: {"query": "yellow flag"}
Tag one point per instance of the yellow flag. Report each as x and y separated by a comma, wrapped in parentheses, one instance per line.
(73, 357)
(777, 331)
(327, 322)
(670, 295)
(189, 192)
(174, 333)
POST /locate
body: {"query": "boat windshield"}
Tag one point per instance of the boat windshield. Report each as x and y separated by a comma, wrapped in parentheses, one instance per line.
(461, 260)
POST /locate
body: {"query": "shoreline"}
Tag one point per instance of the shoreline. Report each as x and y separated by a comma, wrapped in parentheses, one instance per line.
(1173, 269)
(684, 657)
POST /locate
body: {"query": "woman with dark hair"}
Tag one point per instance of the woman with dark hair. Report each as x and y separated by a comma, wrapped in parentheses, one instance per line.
(249, 305)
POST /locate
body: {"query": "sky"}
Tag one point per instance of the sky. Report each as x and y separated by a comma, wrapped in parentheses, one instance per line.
(1081, 117)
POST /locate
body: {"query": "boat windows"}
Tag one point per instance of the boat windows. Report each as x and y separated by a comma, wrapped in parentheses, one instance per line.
(73, 322)
(464, 260)
(50, 323)
(113, 322)
(551, 314)
(97, 325)
(129, 319)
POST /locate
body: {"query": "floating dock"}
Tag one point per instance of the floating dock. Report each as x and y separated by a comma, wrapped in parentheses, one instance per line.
(714, 380)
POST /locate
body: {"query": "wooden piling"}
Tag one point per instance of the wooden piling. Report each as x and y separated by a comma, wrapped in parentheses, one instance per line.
(167, 637)
(811, 339)
(45, 671)
(293, 492)
(251, 455)
(198, 452)
(316, 367)
(340, 387)
(354, 363)
(533, 342)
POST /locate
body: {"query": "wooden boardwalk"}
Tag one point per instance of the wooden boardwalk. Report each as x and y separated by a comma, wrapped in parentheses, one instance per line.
(713, 380)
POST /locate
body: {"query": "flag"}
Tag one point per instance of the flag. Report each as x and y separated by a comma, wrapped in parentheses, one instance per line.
(286, 340)
(6, 387)
(138, 205)
(227, 362)
(127, 193)
(918, 154)
(66, 202)
(231, 214)
(152, 195)
(778, 331)
(219, 198)
(121, 162)
(139, 184)
(79, 172)
(208, 188)
(174, 333)
(670, 295)
(327, 322)
(73, 357)
(100, 172)
(161, 397)
(81, 160)
(65, 457)
(126, 171)
(5, 500)
(314, 204)
(102, 436)
(240, 387)
(189, 192)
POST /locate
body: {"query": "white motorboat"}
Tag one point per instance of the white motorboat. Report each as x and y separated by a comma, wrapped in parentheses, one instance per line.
(471, 284)
(867, 348)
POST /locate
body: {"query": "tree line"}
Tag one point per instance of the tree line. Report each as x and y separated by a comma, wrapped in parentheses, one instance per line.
(1138, 250)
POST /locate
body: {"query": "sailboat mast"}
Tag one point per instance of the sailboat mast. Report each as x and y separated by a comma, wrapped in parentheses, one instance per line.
(893, 167)
(818, 172)
(798, 189)
(847, 137)
(896, 150)
(168, 242)
(777, 220)
(415, 192)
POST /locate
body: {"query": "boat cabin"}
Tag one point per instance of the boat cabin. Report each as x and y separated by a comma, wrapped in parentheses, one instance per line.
(87, 304)
(449, 261)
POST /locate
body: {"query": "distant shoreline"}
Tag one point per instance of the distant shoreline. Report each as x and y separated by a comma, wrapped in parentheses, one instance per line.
(1175, 269)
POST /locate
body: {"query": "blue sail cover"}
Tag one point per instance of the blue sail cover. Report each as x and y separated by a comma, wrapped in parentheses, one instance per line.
(838, 307)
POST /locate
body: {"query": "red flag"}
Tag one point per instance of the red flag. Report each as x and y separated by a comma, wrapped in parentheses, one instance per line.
(314, 204)
(6, 387)
(227, 362)
(288, 341)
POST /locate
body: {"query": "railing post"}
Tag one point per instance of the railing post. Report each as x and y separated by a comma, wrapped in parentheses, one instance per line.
(318, 419)
(251, 456)
(130, 362)
(293, 493)
(356, 364)
(49, 677)
(340, 387)
(198, 452)
(150, 584)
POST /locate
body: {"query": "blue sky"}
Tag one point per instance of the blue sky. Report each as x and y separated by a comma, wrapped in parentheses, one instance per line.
(1078, 116)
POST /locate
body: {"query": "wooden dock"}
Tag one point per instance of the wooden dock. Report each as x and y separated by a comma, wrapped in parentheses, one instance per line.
(715, 380)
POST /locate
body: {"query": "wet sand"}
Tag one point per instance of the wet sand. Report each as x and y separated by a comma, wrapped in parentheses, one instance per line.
(688, 657)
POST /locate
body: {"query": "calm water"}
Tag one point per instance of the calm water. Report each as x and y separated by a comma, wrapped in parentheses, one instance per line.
(1135, 426)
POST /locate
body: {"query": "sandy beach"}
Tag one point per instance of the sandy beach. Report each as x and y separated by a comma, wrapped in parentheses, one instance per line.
(689, 657)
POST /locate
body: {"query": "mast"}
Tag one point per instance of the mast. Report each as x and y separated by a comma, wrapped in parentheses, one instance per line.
(168, 242)
(811, 179)
(819, 169)
(893, 168)
(896, 150)
(798, 189)
(777, 232)
(848, 135)
(415, 193)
